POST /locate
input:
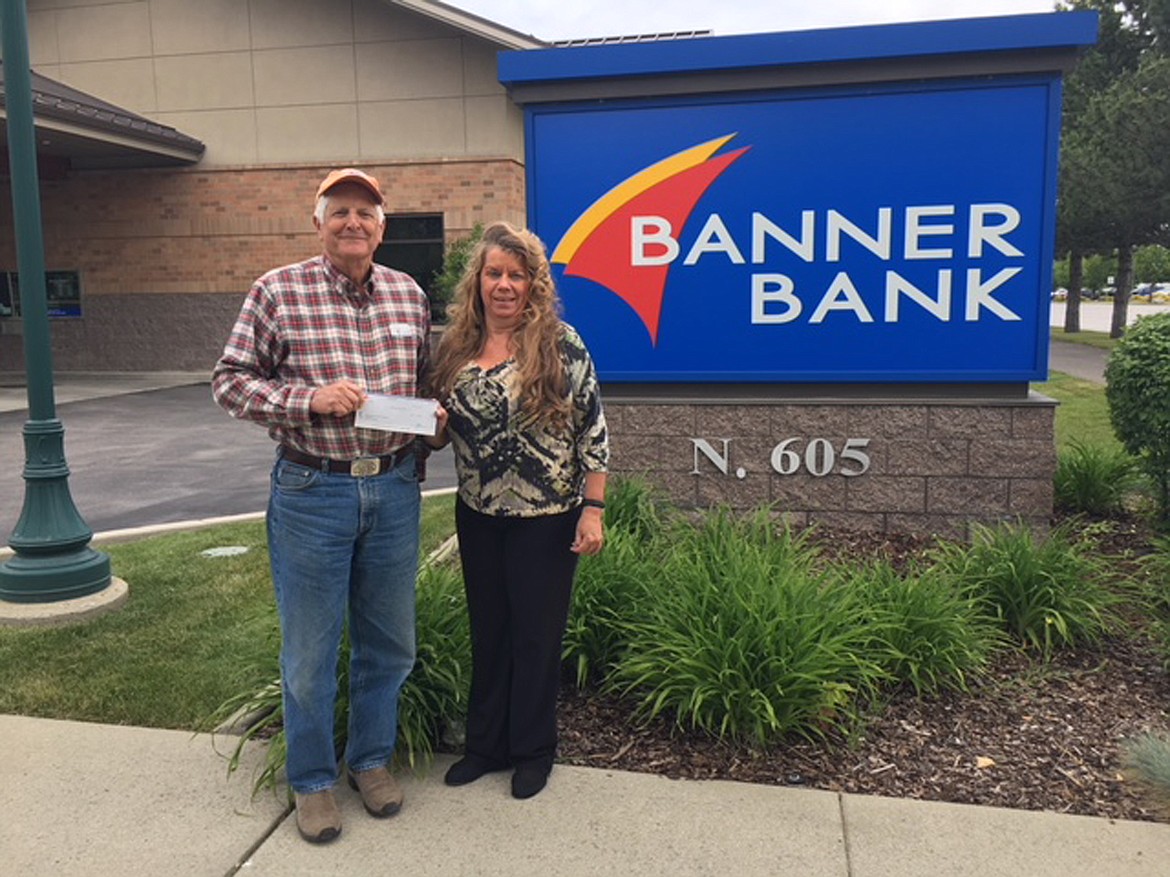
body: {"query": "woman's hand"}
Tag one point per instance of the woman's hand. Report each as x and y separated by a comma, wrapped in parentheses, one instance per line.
(440, 438)
(590, 532)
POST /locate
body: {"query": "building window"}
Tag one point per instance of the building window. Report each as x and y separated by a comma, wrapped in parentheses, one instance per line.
(413, 242)
(62, 293)
(9, 301)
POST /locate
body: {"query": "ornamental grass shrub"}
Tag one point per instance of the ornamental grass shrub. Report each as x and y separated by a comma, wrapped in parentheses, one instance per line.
(434, 695)
(926, 632)
(743, 638)
(1094, 479)
(612, 586)
(1155, 597)
(737, 627)
(1146, 759)
(1046, 591)
(610, 590)
(1156, 570)
(635, 507)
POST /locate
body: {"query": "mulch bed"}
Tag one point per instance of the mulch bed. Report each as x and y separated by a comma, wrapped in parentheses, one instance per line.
(1028, 735)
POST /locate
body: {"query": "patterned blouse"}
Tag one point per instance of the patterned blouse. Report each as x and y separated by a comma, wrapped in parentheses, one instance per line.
(510, 464)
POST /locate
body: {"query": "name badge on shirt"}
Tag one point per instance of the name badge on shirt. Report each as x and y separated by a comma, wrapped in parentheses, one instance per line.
(402, 330)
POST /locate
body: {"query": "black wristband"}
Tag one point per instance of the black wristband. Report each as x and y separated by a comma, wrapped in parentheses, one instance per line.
(593, 503)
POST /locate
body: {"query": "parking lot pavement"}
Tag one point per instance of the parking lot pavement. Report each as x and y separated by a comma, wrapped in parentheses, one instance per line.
(139, 458)
(1097, 316)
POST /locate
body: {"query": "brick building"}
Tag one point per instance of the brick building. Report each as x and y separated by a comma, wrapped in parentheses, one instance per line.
(179, 145)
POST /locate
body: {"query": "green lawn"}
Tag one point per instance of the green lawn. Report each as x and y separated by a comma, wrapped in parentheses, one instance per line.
(175, 651)
(1092, 339)
(1083, 413)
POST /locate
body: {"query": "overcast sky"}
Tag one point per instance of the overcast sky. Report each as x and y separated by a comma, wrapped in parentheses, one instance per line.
(564, 19)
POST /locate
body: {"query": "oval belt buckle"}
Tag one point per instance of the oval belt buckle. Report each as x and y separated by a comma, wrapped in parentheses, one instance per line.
(363, 467)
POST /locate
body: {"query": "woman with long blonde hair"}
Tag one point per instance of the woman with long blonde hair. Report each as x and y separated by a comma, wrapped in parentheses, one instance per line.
(522, 408)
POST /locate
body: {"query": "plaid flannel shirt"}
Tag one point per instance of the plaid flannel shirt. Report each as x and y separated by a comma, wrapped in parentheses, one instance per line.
(307, 325)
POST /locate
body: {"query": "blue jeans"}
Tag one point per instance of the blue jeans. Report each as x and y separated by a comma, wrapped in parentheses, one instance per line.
(339, 543)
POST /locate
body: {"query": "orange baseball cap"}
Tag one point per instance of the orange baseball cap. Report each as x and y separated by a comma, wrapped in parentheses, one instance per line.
(351, 175)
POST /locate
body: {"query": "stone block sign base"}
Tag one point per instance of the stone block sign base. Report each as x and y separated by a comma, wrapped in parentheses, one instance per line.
(897, 465)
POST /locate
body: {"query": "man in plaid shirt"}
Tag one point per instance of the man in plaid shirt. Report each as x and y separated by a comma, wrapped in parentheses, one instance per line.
(311, 340)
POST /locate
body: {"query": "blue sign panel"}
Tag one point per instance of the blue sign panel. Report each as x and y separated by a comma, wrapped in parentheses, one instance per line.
(890, 233)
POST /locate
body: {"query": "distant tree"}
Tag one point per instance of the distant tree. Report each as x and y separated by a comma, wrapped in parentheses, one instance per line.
(1109, 195)
(1152, 264)
(1120, 142)
(1098, 270)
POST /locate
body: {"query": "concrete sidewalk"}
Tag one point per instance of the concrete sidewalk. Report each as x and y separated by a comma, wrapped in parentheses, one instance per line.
(82, 386)
(1078, 360)
(96, 800)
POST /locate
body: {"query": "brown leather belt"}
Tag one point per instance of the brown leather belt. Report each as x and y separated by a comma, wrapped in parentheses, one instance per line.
(362, 467)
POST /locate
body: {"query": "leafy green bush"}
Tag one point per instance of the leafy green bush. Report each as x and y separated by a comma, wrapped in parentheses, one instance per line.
(1047, 592)
(454, 264)
(1094, 480)
(1137, 376)
(925, 632)
(744, 639)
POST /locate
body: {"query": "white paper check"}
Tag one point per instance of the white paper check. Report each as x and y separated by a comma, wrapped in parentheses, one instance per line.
(398, 414)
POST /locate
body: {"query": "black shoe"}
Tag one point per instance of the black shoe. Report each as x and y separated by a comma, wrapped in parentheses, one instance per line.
(468, 769)
(527, 781)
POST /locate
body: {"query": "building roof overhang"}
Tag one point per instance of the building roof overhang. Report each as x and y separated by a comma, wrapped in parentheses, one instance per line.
(77, 130)
(504, 37)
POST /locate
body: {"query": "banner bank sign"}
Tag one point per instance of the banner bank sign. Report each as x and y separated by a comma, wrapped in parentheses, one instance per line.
(886, 232)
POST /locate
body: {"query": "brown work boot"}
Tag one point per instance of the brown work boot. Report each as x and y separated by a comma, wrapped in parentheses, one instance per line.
(380, 792)
(318, 819)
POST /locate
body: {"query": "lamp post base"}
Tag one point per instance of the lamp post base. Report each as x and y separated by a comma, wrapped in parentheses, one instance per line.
(47, 579)
(53, 560)
(65, 612)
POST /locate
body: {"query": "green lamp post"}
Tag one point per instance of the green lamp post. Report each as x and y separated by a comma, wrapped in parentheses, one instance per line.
(52, 560)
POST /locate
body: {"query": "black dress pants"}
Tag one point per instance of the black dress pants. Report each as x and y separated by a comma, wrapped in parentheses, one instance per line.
(518, 575)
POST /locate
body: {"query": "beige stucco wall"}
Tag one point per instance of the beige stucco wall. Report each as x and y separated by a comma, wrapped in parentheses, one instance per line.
(276, 81)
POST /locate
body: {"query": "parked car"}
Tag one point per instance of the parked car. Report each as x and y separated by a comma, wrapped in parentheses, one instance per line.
(1150, 291)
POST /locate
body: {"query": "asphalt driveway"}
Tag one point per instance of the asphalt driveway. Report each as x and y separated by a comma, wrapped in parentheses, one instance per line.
(155, 457)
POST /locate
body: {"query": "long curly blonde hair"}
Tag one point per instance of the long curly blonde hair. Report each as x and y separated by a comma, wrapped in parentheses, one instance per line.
(542, 388)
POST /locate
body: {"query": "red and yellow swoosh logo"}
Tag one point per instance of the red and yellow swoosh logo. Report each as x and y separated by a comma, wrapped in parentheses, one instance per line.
(597, 246)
